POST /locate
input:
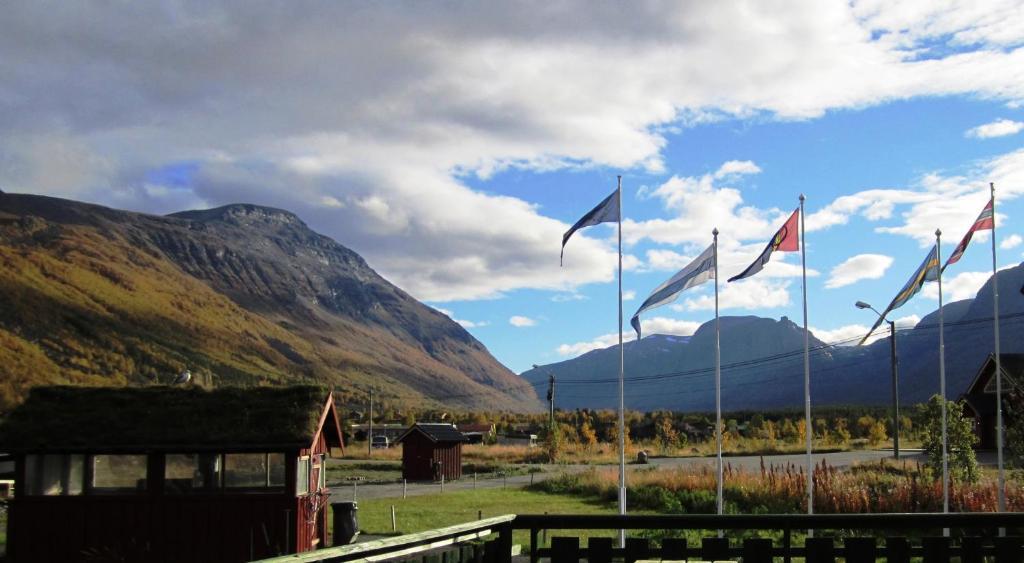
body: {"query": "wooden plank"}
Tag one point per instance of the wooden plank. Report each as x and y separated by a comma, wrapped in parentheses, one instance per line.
(637, 548)
(860, 550)
(897, 550)
(401, 545)
(565, 549)
(714, 549)
(1009, 550)
(820, 550)
(599, 550)
(757, 550)
(971, 549)
(673, 549)
(936, 550)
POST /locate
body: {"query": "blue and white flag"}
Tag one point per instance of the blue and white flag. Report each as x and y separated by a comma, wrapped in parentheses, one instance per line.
(606, 212)
(697, 272)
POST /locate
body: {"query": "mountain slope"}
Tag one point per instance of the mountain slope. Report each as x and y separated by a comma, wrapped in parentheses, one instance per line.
(763, 361)
(240, 295)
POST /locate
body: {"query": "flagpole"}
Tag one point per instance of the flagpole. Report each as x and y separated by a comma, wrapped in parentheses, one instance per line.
(942, 380)
(807, 369)
(622, 400)
(718, 382)
(999, 370)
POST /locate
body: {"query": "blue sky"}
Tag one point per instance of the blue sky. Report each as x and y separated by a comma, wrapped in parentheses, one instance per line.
(451, 145)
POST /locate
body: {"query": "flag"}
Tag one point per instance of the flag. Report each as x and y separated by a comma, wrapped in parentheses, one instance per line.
(697, 272)
(927, 271)
(606, 212)
(984, 222)
(786, 239)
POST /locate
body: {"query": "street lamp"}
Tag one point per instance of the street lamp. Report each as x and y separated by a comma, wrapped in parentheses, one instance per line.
(895, 379)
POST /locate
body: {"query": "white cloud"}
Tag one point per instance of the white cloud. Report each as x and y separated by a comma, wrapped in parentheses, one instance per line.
(628, 295)
(859, 267)
(964, 285)
(521, 321)
(374, 152)
(749, 294)
(570, 296)
(1012, 241)
(947, 202)
(850, 335)
(998, 128)
(737, 167)
(653, 325)
(463, 322)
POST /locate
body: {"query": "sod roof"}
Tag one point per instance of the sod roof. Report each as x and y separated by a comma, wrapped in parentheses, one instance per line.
(165, 418)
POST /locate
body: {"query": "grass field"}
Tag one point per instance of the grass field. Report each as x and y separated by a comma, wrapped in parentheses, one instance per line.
(428, 512)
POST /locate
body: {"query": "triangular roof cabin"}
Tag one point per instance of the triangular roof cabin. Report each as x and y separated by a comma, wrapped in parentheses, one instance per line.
(160, 418)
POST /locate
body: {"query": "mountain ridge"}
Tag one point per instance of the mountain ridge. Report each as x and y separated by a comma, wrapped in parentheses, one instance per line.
(242, 293)
(762, 361)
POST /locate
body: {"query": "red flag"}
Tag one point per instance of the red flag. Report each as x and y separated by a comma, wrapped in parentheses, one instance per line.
(786, 239)
(984, 222)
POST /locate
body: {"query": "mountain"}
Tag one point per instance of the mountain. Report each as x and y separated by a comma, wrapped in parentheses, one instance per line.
(763, 361)
(240, 295)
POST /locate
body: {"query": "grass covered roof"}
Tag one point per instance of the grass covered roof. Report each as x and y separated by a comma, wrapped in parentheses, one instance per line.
(165, 418)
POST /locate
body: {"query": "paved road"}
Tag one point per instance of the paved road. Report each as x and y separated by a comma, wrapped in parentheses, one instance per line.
(750, 463)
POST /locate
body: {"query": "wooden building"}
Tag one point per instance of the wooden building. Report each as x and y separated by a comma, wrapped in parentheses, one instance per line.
(430, 451)
(980, 397)
(169, 474)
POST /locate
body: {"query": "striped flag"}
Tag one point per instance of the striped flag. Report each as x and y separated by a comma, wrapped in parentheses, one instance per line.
(984, 222)
(606, 212)
(786, 239)
(927, 271)
(697, 272)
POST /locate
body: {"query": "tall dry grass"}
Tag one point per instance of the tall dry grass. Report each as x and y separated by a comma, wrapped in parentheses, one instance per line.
(773, 489)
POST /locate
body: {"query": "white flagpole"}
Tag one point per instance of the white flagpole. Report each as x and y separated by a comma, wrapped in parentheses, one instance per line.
(807, 370)
(942, 381)
(622, 400)
(718, 382)
(999, 369)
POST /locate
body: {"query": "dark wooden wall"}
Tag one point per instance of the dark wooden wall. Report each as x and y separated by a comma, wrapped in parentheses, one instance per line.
(419, 454)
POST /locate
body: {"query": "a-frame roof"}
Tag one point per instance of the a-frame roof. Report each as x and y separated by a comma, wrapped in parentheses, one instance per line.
(66, 418)
(435, 432)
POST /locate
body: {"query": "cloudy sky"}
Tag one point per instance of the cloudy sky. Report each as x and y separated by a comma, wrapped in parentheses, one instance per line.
(452, 143)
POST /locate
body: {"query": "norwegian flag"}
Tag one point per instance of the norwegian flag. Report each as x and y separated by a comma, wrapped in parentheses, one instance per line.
(984, 222)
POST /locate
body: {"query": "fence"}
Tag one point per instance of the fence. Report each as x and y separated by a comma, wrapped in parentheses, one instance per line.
(896, 538)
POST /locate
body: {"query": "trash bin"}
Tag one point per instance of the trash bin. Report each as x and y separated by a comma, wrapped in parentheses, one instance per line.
(346, 522)
(641, 456)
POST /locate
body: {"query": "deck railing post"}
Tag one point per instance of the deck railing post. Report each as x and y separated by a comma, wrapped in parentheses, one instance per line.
(787, 543)
(534, 556)
(505, 543)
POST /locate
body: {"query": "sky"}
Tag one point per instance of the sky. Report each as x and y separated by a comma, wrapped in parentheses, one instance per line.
(451, 144)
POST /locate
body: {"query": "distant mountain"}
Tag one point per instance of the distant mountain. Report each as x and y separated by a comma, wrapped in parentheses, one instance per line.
(240, 294)
(763, 361)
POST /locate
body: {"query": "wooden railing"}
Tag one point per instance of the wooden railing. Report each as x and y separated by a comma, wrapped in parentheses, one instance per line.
(857, 538)
(896, 537)
(405, 547)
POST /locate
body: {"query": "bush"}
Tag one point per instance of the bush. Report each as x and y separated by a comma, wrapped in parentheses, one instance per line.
(963, 465)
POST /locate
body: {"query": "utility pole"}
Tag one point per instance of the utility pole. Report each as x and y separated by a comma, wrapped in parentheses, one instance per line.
(895, 391)
(551, 401)
(369, 431)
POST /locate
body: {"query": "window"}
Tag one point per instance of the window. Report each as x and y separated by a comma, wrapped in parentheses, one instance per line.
(321, 473)
(302, 476)
(54, 474)
(191, 472)
(262, 470)
(118, 473)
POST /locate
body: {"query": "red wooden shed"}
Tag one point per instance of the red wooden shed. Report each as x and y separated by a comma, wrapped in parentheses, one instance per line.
(431, 450)
(168, 474)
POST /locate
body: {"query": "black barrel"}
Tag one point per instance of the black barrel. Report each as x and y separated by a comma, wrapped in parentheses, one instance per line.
(346, 522)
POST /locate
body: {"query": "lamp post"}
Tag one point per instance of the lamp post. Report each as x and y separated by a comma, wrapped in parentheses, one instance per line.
(895, 380)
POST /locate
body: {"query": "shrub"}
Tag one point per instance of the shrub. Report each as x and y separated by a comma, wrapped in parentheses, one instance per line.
(963, 465)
